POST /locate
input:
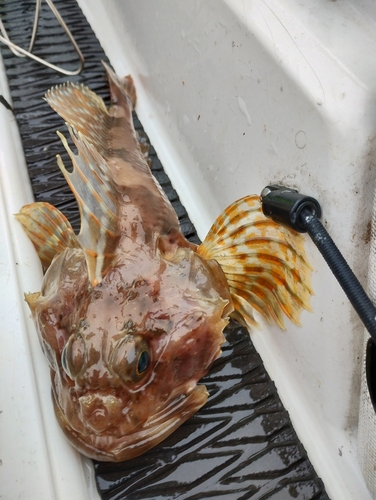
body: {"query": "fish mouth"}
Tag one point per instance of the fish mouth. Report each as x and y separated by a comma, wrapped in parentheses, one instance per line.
(109, 448)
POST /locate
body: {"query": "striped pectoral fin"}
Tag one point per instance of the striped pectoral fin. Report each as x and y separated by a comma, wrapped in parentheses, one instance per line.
(98, 203)
(48, 229)
(265, 263)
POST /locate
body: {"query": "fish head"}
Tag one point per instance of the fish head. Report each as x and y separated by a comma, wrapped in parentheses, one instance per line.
(127, 354)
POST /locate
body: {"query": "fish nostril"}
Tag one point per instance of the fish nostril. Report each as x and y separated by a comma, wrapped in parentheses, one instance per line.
(99, 420)
(100, 411)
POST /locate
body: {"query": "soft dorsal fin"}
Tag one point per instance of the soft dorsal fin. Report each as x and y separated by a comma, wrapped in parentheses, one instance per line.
(87, 112)
(98, 204)
(265, 263)
(48, 229)
(83, 109)
(112, 134)
(108, 130)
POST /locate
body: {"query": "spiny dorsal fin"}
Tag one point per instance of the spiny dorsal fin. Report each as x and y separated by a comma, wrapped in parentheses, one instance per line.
(97, 201)
(265, 263)
(48, 229)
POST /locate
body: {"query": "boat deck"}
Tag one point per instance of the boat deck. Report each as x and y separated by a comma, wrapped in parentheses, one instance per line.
(242, 444)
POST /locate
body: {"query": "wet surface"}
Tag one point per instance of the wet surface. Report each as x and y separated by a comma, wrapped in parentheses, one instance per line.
(241, 445)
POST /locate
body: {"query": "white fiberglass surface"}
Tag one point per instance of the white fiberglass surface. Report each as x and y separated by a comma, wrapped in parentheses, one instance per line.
(239, 94)
(36, 460)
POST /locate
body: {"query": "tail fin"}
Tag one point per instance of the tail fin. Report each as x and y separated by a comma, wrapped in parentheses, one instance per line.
(265, 263)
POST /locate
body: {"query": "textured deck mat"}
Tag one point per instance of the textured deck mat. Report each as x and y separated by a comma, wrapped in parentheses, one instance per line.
(241, 445)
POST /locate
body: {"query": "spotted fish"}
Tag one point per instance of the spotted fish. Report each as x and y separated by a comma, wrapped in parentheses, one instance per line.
(130, 314)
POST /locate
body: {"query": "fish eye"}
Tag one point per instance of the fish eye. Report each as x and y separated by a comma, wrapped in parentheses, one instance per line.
(131, 358)
(73, 356)
(142, 362)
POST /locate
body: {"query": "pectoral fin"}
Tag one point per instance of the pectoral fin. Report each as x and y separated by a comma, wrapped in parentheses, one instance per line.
(265, 263)
(32, 300)
(48, 229)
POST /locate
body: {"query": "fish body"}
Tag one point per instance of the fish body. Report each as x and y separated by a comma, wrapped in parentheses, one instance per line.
(130, 314)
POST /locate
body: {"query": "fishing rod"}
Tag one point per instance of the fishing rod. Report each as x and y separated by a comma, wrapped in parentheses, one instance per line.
(302, 213)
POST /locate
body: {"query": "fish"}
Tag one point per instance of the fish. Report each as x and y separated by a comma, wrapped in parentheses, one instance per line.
(130, 315)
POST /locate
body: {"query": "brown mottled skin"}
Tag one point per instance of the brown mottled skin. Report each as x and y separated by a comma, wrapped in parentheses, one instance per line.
(159, 297)
(130, 314)
(176, 306)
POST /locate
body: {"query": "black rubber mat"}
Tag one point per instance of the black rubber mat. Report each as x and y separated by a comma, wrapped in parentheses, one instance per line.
(241, 445)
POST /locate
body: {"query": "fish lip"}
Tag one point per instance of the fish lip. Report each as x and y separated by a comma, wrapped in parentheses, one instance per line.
(176, 403)
(171, 416)
(156, 428)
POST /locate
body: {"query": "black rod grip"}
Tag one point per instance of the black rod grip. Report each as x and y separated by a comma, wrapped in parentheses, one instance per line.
(342, 271)
(284, 205)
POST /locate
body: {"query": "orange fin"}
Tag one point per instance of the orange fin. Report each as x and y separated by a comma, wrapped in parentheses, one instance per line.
(98, 204)
(265, 263)
(48, 229)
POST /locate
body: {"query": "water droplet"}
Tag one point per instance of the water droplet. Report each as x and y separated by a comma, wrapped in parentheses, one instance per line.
(300, 139)
(244, 110)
